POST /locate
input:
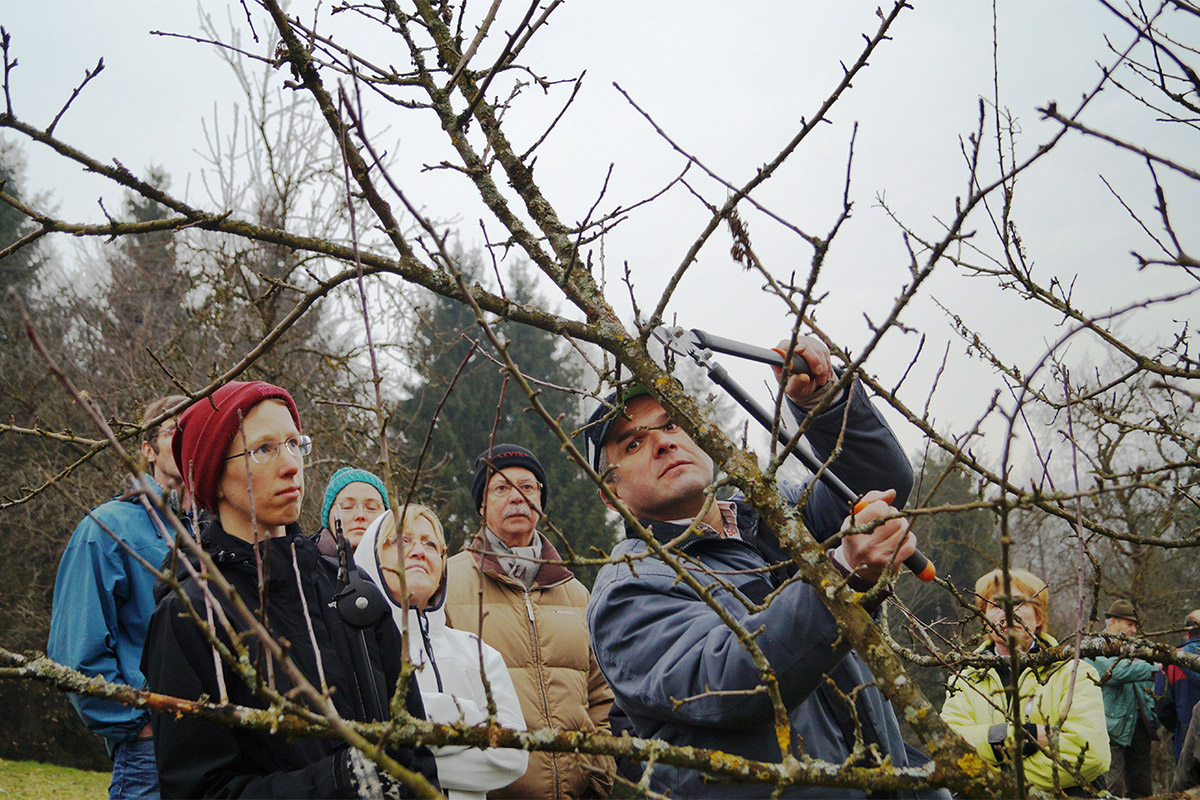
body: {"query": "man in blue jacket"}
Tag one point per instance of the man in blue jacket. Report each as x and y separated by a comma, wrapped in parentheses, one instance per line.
(103, 598)
(1178, 689)
(676, 669)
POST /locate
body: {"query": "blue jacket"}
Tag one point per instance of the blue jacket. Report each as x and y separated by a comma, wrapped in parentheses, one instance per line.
(103, 598)
(1179, 690)
(1128, 687)
(657, 642)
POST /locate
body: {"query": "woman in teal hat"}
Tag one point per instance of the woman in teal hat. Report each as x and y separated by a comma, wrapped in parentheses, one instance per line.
(355, 497)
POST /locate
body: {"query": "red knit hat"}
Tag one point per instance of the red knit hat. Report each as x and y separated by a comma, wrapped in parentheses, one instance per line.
(205, 430)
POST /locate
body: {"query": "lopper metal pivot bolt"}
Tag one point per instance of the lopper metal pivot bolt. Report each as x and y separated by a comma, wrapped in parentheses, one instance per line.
(699, 346)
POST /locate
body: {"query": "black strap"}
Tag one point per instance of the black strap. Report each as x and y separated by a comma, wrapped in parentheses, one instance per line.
(423, 624)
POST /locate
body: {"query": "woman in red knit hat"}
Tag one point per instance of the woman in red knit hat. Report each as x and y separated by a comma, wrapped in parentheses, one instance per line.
(241, 453)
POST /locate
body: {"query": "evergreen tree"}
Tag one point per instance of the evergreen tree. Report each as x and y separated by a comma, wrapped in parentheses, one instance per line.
(962, 544)
(137, 319)
(479, 409)
(148, 288)
(18, 270)
(39, 723)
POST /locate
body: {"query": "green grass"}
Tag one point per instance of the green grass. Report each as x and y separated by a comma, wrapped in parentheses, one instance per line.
(32, 780)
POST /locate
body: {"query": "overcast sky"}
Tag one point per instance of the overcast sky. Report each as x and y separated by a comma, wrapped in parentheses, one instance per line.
(730, 83)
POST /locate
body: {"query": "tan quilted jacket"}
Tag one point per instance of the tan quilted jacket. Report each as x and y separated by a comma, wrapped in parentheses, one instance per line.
(543, 637)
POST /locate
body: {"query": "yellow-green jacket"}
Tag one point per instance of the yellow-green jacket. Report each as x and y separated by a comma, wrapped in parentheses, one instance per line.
(975, 701)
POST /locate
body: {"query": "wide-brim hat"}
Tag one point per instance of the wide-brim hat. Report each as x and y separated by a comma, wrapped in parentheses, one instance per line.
(1121, 609)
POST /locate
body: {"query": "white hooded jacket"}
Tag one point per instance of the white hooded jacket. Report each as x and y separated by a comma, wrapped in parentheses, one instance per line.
(447, 669)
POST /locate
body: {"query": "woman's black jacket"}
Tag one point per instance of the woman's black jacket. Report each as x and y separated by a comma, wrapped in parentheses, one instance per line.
(199, 758)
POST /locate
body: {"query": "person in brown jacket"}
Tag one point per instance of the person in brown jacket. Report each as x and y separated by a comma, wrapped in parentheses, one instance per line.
(533, 613)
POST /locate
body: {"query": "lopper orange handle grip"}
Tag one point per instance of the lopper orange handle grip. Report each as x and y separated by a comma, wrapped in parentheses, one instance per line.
(917, 563)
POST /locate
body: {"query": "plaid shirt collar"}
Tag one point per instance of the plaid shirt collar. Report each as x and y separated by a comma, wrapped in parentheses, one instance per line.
(728, 518)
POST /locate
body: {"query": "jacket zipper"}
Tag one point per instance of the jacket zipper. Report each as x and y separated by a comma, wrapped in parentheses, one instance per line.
(537, 659)
(739, 542)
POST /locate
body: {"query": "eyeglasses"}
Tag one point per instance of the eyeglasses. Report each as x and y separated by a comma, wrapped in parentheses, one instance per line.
(996, 606)
(298, 447)
(427, 544)
(504, 488)
(154, 433)
(370, 506)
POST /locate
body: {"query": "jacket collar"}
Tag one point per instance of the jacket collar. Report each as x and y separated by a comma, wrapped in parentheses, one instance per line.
(1042, 642)
(665, 532)
(226, 548)
(132, 494)
(747, 522)
(434, 620)
(551, 573)
(231, 554)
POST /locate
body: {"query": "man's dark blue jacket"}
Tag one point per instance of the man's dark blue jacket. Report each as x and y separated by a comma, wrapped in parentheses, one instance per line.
(657, 642)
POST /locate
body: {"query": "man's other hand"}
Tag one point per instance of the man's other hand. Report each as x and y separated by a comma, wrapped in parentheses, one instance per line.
(801, 388)
(888, 543)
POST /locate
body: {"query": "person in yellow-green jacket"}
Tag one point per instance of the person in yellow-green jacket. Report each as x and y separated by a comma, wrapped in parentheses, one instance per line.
(1061, 730)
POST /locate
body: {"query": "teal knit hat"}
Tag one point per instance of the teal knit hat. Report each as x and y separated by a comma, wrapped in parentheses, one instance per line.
(343, 478)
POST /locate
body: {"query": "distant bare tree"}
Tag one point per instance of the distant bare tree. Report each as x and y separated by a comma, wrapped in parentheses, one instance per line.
(1110, 496)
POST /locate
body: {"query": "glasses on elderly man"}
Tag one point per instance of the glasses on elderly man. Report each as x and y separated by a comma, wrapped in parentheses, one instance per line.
(297, 446)
(502, 489)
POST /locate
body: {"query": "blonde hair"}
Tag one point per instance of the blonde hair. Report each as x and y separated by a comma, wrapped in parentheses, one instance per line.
(410, 514)
(1023, 584)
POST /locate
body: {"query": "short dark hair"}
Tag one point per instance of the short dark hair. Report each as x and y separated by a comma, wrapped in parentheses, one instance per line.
(605, 468)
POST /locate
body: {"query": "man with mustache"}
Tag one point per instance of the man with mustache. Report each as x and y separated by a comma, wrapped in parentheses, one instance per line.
(511, 579)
